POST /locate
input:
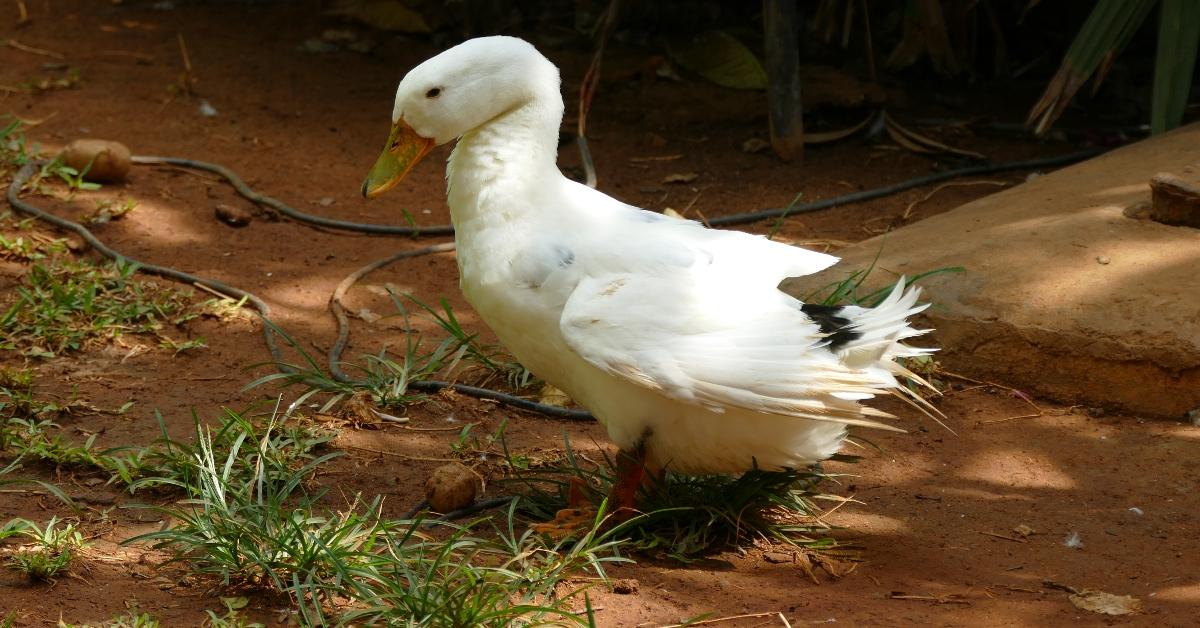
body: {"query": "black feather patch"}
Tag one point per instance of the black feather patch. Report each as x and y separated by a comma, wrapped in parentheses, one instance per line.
(566, 256)
(837, 327)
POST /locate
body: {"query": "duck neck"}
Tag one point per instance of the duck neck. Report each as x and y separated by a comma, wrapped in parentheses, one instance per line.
(497, 169)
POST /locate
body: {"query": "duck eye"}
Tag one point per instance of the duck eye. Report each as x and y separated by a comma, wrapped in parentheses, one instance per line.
(433, 93)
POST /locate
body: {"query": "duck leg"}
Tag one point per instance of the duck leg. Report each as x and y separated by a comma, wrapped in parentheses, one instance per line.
(630, 475)
(578, 516)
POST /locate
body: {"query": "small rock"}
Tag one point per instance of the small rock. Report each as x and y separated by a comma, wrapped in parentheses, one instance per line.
(104, 160)
(325, 201)
(1102, 260)
(626, 586)
(1095, 412)
(207, 110)
(1194, 417)
(450, 487)
(1023, 530)
(1139, 210)
(233, 215)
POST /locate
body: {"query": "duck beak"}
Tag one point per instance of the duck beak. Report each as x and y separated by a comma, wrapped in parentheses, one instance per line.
(404, 149)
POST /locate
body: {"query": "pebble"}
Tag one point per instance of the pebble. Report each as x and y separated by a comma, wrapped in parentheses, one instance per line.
(450, 487)
(626, 586)
(233, 215)
(105, 161)
(1102, 260)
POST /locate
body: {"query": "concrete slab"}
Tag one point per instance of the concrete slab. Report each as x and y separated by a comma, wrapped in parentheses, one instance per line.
(1063, 294)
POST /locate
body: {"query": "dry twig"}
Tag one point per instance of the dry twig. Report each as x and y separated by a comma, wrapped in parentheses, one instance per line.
(950, 598)
(1016, 393)
(1001, 536)
(12, 43)
(908, 210)
(718, 620)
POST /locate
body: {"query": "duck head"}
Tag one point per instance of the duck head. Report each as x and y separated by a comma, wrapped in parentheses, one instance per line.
(455, 92)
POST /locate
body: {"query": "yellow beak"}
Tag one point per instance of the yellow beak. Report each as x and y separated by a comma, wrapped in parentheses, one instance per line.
(404, 149)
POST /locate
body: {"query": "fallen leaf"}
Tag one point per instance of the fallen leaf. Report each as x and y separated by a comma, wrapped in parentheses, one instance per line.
(655, 158)
(552, 396)
(387, 15)
(681, 177)
(722, 59)
(755, 145)
(235, 603)
(369, 316)
(1106, 603)
(825, 137)
(922, 144)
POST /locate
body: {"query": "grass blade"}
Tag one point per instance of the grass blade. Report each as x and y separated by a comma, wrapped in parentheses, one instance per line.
(1178, 40)
(1107, 30)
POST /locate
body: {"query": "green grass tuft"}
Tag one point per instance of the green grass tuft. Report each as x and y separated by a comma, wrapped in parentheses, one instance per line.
(67, 306)
(50, 551)
(251, 521)
(685, 517)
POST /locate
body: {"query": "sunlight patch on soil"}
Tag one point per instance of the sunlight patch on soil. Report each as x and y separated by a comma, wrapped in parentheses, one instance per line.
(1015, 468)
(1189, 593)
(1122, 190)
(982, 495)
(165, 225)
(873, 523)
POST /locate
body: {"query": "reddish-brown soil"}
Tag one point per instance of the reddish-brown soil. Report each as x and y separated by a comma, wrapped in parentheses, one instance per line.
(934, 512)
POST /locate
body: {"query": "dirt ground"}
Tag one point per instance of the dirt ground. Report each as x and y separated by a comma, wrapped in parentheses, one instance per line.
(935, 511)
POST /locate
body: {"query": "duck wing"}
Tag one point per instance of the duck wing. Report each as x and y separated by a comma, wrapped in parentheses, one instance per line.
(719, 334)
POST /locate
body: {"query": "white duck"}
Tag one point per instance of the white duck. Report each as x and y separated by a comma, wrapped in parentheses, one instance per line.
(676, 337)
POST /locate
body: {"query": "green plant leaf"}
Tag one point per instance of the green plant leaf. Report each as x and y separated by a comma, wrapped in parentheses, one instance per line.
(720, 58)
(1178, 40)
(1107, 30)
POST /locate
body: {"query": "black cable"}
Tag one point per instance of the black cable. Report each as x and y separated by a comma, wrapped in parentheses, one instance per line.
(287, 210)
(720, 221)
(896, 188)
